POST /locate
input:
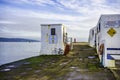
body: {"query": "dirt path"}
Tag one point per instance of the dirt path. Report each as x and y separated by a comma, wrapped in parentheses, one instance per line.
(80, 64)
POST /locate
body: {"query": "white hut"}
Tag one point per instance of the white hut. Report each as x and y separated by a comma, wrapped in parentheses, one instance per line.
(92, 37)
(108, 39)
(53, 38)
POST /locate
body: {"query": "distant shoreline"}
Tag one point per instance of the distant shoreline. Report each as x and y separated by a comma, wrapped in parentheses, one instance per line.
(17, 40)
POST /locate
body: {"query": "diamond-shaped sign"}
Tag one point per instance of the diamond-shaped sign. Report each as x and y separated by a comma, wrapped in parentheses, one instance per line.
(111, 32)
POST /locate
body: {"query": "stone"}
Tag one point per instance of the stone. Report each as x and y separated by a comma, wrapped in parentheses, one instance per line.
(11, 66)
(37, 71)
(28, 68)
(63, 63)
(23, 73)
(91, 57)
(5, 70)
(26, 63)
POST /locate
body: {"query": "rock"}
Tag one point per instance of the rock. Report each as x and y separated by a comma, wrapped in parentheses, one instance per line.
(23, 73)
(82, 70)
(11, 66)
(73, 68)
(64, 63)
(28, 68)
(81, 59)
(26, 63)
(5, 70)
(91, 57)
(37, 71)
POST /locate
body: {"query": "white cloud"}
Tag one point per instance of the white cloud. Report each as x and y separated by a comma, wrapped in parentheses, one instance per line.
(10, 32)
(7, 22)
(32, 2)
(45, 15)
(88, 7)
(29, 20)
(98, 1)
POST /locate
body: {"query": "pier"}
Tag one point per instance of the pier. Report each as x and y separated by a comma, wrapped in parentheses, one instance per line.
(82, 63)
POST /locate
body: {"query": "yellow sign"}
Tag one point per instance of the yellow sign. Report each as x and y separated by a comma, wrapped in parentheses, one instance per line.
(111, 32)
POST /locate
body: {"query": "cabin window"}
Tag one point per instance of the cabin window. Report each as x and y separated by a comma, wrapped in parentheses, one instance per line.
(99, 27)
(119, 22)
(52, 31)
(92, 32)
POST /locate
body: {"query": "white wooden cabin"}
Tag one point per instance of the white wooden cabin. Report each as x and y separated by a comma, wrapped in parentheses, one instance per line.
(53, 39)
(108, 38)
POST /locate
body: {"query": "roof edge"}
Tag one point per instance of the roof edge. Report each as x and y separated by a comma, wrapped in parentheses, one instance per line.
(50, 24)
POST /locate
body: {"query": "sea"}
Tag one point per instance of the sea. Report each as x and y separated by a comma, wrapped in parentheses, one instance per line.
(14, 51)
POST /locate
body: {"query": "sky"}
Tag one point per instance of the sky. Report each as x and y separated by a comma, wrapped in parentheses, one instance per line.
(22, 18)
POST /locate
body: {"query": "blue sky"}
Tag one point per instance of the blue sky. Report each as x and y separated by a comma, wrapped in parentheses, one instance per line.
(22, 18)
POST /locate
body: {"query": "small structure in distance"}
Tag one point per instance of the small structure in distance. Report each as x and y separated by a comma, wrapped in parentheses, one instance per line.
(53, 39)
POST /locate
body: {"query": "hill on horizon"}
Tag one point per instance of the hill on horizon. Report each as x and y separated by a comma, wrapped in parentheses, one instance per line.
(2, 39)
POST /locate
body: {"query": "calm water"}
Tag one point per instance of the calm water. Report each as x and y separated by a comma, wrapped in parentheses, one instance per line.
(13, 51)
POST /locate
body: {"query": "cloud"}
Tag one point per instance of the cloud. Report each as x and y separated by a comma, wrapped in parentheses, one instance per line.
(43, 15)
(10, 32)
(25, 16)
(98, 1)
(7, 22)
(88, 7)
(32, 2)
(81, 6)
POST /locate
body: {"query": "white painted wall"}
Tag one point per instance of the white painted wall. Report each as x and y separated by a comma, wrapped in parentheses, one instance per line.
(92, 37)
(47, 47)
(109, 42)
